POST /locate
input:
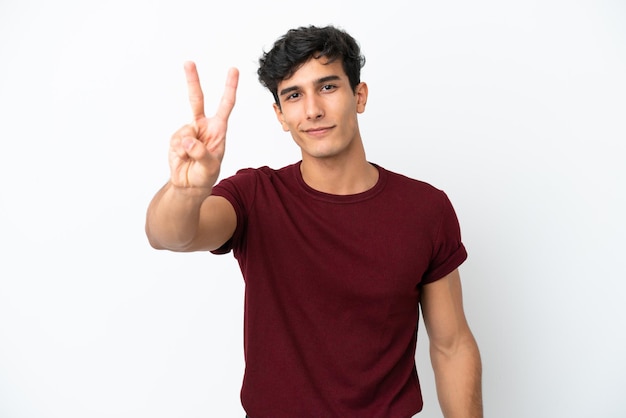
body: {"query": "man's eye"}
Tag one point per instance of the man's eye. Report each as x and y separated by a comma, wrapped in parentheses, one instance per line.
(328, 87)
(293, 96)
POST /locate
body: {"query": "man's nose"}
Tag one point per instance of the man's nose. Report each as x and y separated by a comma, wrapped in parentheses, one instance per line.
(313, 108)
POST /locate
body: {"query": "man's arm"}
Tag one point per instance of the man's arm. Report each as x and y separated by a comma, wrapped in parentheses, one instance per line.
(453, 350)
(189, 219)
(183, 215)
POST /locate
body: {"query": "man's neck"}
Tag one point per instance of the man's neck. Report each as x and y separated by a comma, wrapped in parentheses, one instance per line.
(339, 177)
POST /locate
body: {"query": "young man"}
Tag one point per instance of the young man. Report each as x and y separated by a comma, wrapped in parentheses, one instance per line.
(337, 253)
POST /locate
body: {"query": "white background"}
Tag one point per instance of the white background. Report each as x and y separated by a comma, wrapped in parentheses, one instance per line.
(517, 109)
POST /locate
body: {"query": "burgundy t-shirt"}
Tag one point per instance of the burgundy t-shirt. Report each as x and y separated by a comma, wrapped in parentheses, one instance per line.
(332, 290)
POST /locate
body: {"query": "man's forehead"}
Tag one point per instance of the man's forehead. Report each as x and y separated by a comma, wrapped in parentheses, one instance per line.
(313, 70)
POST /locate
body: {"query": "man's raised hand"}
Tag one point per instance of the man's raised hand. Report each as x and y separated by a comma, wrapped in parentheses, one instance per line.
(197, 149)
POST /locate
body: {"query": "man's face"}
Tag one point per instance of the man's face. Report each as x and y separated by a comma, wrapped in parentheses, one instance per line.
(319, 109)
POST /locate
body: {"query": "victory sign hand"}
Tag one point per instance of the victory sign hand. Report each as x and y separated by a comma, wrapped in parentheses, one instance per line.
(197, 149)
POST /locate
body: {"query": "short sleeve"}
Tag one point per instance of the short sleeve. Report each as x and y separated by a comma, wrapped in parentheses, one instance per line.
(239, 190)
(448, 249)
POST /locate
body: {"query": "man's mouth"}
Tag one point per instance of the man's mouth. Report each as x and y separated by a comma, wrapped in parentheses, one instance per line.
(320, 130)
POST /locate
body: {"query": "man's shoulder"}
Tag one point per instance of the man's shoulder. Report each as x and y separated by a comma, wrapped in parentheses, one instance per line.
(266, 171)
(411, 184)
(251, 178)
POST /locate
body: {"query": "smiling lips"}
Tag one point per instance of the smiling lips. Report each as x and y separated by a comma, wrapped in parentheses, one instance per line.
(318, 131)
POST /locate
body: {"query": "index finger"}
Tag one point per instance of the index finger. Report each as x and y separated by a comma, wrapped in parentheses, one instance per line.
(196, 97)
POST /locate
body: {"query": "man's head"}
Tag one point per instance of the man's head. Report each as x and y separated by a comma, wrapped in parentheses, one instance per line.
(297, 46)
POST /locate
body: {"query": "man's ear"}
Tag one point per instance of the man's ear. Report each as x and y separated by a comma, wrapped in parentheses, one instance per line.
(280, 117)
(361, 97)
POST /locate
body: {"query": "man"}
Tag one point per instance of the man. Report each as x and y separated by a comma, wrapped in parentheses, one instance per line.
(337, 253)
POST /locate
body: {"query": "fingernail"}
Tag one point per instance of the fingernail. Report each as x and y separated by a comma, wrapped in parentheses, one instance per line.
(188, 143)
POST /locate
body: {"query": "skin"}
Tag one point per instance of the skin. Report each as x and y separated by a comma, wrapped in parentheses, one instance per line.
(453, 350)
(183, 215)
(319, 109)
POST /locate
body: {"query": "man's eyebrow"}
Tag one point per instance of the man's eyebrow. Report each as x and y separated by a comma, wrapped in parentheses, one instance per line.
(328, 78)
(288, 90)
(322, 80)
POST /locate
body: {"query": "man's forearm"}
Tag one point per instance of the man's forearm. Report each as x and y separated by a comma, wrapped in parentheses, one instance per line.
(173, 216)
(458, 375)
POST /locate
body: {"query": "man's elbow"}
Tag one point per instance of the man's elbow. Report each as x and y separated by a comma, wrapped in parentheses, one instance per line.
(462, 343)
(161, 244)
